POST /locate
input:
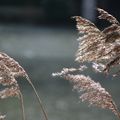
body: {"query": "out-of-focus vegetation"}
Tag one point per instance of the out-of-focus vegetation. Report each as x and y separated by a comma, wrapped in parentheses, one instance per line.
(49, 11)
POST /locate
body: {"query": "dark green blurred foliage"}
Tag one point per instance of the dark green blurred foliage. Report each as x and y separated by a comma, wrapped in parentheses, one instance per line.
(39, 11)
(58, 10)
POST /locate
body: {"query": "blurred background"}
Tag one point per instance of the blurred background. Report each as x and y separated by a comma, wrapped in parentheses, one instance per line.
(41, 36)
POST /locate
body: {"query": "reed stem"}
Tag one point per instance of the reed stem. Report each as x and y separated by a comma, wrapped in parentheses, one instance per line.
(22, 106)
(38, 98)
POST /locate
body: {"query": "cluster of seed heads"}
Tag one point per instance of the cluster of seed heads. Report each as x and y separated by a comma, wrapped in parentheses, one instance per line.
(9, 71)
(102, 49)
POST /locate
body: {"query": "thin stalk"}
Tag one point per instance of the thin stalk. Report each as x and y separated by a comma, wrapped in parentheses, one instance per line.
(38, 98)
(22, 105)
(116, 110)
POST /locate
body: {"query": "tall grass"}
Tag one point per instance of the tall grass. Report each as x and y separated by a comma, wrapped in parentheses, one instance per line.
(102, 49)
(9, 71)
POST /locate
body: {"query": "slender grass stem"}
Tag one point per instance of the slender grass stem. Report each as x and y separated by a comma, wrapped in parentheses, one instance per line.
(22, 106)
(38, 98)
(116, 110)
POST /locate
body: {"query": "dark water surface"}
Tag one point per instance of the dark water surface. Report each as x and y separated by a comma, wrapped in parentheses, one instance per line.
(42, 51)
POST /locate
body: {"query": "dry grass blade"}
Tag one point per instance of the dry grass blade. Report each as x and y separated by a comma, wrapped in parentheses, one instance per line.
(105, 15)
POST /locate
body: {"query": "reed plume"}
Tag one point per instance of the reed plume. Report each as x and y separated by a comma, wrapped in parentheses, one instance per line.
(92, 91)
(9, 71)
(100, 46)
(102, 49)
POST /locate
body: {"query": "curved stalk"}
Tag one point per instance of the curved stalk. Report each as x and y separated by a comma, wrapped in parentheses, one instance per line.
(116, 110)
(22, 105)
(38, 98)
